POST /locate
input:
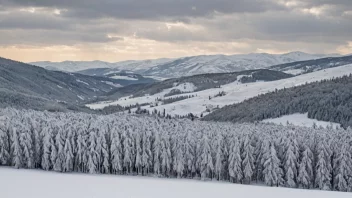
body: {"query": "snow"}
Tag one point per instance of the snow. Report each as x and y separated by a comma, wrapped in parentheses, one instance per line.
(301, 120)
(80, 81)
(123, 78)
(40, 184)
(294, 71)
(112, 84)
(127, 101)
(156, 78)
(235, 93)
(80, 97)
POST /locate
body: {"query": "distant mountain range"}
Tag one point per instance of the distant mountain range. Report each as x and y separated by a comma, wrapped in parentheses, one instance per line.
(186, 66)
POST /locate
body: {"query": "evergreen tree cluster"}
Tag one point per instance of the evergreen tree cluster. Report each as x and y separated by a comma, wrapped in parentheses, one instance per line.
(175, 99)
(125, 144)
(327, 100)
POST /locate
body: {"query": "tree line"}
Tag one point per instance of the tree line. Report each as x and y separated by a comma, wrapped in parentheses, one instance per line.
(126, 144)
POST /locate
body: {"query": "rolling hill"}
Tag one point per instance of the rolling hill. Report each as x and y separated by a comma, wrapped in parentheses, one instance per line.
(308, 66)
(328, 100)
(24, 85)
(202, 101)
(186, 66)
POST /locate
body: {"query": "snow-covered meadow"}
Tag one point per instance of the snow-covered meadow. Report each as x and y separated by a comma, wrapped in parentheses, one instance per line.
(299, 119)
(235, 92)
(41, 184)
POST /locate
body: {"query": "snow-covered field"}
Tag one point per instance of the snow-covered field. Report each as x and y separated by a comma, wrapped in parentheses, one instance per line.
(124, 78)
(235, 92)
(298, 119)
(40, 184)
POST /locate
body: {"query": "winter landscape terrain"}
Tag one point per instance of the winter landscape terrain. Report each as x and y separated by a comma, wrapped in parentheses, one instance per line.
(153, 139)
(236, 92)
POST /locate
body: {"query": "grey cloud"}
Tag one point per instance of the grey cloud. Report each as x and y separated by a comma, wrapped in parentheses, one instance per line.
(151, 9)
(219, 21)
(50, 37)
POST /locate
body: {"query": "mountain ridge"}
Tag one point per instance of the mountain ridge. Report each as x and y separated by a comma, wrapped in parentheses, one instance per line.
(186, 66)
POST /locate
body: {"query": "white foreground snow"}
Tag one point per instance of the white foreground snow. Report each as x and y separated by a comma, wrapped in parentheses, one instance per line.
(40, 184)
(235, 92)
(298, 119)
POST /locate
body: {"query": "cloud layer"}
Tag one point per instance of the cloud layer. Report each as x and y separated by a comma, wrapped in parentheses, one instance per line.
(140, 29)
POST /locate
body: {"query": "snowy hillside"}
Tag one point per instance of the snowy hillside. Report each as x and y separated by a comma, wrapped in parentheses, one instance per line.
(235, 92)
(186, 66)
(300, 67)
(19, 184)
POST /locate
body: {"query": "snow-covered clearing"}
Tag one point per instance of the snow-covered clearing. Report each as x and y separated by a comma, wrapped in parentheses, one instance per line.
(298, 119)
(156, 78)
(112, 84)
(294, 71)
(127, 101)
(235, 92)
(123, 78)
(40, 184)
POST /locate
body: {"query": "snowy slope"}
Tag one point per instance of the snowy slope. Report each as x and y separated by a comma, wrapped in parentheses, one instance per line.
(169, 68)
(235, 92)
(299, 119)
(40, 184)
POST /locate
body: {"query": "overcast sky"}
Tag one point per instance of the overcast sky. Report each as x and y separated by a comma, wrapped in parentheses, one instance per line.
(115, 30)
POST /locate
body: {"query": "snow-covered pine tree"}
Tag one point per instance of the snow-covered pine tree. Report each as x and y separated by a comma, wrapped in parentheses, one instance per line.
(138, 150)
(4, 144)
(103, 150)
(247, 160)
(305, 169)
(60, 144)
(146, 160)
(16, 149)
(93, 155)
(206, 163)
(127, 150)
(219, 158)
(26, 143)
(343, 168)
(46, 161)
(165, 156)
(190, 154)
(81, 154)
(323, 175)
(69, 158)
(290, 164)
(258, 151)
(273, 174)
(235, 161)
(156, 153)
(116, 151)
(179, 161)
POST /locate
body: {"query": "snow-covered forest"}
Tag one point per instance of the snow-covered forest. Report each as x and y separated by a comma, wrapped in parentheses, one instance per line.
(139, 145)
